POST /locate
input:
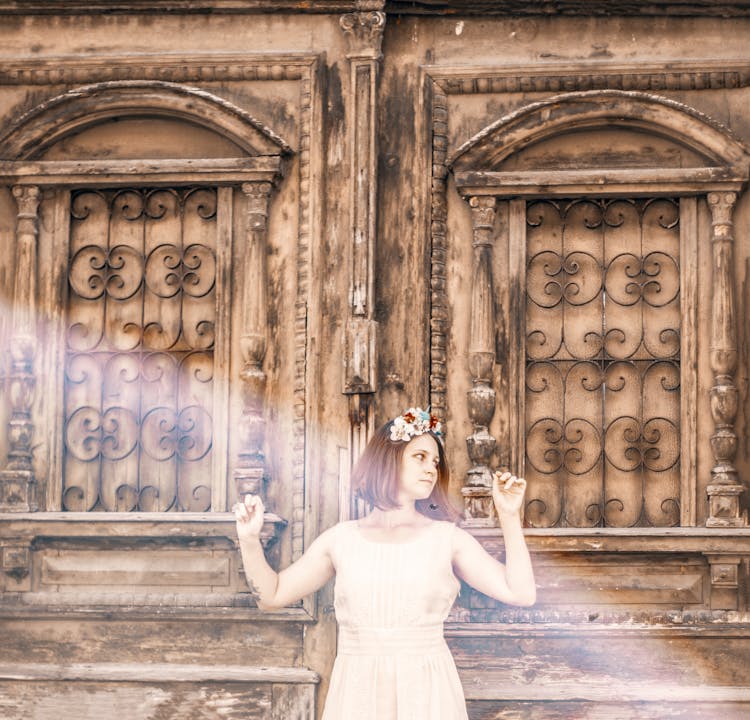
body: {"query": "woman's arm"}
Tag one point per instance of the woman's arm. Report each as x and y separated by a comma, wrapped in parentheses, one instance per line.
(513, 582)
(270, 589)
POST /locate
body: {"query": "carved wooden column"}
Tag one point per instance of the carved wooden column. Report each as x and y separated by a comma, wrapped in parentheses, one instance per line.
(364, 33)
(725, 489)
(477, 491)
(17, 482)
(251, 468)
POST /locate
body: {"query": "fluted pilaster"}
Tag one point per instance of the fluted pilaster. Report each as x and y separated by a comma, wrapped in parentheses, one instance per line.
(363, 30)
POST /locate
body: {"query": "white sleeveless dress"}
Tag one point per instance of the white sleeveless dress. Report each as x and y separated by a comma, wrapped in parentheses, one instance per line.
(391, 600)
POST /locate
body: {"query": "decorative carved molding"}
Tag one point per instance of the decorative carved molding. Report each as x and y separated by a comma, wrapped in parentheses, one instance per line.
(599, 108)
(439, 255)
(555, 78)
(550, 8)
(194, 68)
(725, 490)
(148, 7)
(587, 8)
(308, 92)
(47, 123)
(17, 481)
(481, 398)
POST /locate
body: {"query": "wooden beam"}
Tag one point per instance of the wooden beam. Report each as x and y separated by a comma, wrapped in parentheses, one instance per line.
(219, 171)
(640, 182)
(156, 672)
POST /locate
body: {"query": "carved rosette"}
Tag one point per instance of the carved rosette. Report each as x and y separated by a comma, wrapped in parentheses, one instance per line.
(17, 482)
(479, 508)
(250, 473)
(725, 489)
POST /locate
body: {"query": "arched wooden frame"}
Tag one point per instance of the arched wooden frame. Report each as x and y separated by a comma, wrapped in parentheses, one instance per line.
(479, 178)
(74, 111)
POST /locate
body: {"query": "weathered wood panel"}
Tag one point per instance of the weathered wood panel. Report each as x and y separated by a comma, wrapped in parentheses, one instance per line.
(602, 710)
(202, 640)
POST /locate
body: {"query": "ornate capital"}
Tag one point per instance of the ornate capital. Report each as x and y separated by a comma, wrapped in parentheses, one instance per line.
(722, 206)
(482, 212)
(364, 32)
(257, 195)
(27, 199)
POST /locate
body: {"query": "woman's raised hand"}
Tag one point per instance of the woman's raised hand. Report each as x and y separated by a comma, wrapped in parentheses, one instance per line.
(249, 516)
(507, 492)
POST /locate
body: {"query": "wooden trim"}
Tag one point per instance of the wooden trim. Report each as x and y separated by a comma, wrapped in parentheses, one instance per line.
(156, 673)
(186, 7)
(81, 173)
(517, 344)
(234, 609)
(550, 629)
(188, 525)
(222, 350)
(688, 361)
(621, 540)
(53, 301)
(643, 182)
(487, 687)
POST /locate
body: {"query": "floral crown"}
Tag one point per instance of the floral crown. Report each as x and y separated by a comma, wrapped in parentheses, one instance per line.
(413, 422)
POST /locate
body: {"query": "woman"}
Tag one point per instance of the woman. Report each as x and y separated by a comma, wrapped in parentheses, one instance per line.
(396, 573)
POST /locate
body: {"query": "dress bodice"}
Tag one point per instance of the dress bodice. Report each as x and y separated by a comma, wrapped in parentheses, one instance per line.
(390, 585)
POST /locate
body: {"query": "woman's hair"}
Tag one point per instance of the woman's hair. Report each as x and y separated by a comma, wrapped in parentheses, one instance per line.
(376, 475)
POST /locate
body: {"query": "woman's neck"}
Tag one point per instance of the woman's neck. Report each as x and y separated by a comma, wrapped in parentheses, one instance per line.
(406, 515)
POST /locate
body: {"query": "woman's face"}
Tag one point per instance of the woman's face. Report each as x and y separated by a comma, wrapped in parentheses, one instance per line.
(419, 468)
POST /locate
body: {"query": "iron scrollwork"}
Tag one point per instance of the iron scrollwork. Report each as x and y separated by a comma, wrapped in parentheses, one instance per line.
(603, 363)
(139, 350)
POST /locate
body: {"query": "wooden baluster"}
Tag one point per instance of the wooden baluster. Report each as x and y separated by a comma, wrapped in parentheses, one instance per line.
(477, 491)
(17, 481)
(249, 473)
(725, 489)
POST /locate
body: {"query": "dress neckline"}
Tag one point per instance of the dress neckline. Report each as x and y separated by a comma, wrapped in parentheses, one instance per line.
(418, 535)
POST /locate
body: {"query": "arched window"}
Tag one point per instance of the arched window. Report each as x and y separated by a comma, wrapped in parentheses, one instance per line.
(594, 196)
(153, 222)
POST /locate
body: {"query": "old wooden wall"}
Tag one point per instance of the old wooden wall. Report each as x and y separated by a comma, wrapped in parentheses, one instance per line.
(240, 234)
